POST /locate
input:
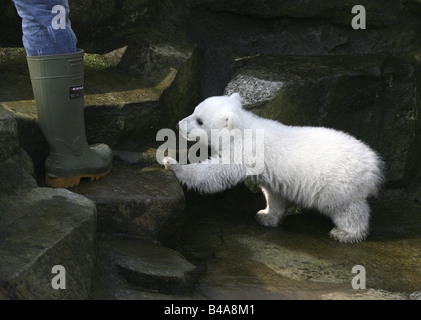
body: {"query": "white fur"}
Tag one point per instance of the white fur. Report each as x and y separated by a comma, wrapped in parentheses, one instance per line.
(314, 167)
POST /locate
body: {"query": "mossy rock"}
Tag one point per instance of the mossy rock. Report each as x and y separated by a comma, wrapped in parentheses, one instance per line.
(371, 97)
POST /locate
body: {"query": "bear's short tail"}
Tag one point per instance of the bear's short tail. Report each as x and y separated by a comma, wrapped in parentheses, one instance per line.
(378, 178)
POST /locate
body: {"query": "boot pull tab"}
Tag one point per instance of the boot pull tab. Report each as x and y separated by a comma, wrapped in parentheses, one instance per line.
(75, 63)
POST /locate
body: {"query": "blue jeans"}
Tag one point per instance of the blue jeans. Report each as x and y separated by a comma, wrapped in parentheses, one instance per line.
(46, 31)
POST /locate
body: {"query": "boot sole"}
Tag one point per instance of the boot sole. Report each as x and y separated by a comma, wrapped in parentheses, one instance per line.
(69, 182)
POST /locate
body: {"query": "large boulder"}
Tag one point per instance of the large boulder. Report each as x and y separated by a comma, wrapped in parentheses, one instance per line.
(294, 28)
(373, 98)
(41, 228)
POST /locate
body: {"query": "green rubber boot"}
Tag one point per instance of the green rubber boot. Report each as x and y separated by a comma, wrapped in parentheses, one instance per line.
(57, 83)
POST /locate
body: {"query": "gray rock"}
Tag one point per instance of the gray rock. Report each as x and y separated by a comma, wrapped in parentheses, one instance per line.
(150, 266)
(368, 294)
(152, 61)
(338, 11)
(294, 28)
(121, 110)
(126, 19)
(298, 260)
(179, 100)
(41, 228)
(413, 6)
(154, 82)
(372, 98)
(144, 159)
(134, 201)
(9, 141)
(17, 172)
(16, 167)
(416, 295)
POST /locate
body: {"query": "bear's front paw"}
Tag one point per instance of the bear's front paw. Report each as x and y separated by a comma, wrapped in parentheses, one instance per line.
(168, 161)
(267, 219)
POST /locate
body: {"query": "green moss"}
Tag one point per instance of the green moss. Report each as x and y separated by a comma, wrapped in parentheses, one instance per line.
(13, 60)
(184, 94)
(252, 186)
(294, 209)
(285, 108)
(97, 62)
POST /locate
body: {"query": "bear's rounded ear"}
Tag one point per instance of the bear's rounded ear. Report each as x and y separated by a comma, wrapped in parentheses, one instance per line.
(236, 96)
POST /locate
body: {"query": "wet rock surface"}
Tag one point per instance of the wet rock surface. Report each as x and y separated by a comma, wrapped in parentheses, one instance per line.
(39, 229)
(298, 260)
(146, 202)
(145, 266)
(16, 167)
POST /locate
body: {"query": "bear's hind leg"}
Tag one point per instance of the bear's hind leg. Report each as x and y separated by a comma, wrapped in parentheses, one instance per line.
(351, 223)
(275, 209)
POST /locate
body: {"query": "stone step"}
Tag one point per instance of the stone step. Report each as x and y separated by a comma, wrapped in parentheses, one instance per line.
(144, 202)
(16, 167)
(128, 98)
(134, 198)
(41, 228)
(149, 270)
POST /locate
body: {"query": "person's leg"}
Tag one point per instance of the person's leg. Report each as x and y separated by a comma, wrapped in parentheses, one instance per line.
(46, 27)
(56, 70)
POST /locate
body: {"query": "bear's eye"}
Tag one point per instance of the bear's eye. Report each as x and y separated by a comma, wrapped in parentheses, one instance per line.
(199, 121)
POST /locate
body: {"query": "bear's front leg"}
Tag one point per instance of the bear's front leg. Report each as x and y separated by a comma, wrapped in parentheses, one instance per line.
(208, 176)
(276, 207)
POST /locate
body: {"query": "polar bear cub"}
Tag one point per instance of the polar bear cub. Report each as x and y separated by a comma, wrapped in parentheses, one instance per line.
(314, 167)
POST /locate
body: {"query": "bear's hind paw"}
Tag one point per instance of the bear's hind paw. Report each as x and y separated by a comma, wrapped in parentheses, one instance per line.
(267, 219)
(348, 237)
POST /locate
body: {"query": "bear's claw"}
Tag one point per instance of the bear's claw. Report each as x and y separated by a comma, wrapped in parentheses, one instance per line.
(344, 236)
(167, 161)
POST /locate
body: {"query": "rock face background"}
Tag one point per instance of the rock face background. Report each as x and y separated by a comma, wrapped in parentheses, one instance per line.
(147, 65)
(361, 81)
